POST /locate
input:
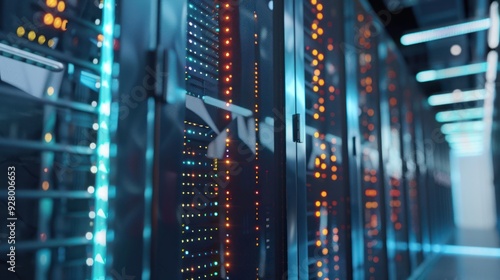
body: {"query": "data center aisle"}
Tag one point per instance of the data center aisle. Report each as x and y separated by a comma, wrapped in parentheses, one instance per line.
(474, 255)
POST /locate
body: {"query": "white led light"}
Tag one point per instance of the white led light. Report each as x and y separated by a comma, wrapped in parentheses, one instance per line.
(95, 126)
(93, 104)
(92, 146)
(107, 67)
(89, 235)
(93, 169)
(100, 238)
(105, 109)
(102, 193)
(101, 214)
(104, 150)
(89, 261)
(108, 29)
(92, 214)
(456, 50)
(99, 259)
(91, 189)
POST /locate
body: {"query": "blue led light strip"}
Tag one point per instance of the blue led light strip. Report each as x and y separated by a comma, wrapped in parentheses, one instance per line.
(462, 127)
(465, 138)
(445, 32)
(103, 143)
(460, 115)
(456, 97)
(458, 71)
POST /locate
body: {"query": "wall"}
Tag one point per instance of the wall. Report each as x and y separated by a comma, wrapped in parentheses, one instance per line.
(473, 191)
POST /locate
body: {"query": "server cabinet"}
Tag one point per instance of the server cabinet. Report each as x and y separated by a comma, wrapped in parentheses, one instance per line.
(411, 181)
(438, 182)
(422, 171)
(209, 188)
(240, 117)
(371, 175)
(56, 61)
(327, 180)
(392, 83)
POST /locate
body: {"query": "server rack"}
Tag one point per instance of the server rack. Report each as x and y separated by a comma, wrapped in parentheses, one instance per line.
(247, 221)
(422, 172)
(55, 81)
(219, 209)
(371, 173)
(412, 184)
(326, 176)
(202, 221)
(437, 181)
(393, 80)
(410, 228)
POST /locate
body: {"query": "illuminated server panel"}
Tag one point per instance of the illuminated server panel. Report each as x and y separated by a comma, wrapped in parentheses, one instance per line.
(412, 184)
(224, 69)
(392, 84)
(370, 126)
(55, 65)
(327, 196)
(253, 185)
(200, 227)
(200, 233)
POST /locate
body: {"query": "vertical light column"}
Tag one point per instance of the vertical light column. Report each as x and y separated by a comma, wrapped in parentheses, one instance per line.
(256, 119)
(226, 47)
(103, 143)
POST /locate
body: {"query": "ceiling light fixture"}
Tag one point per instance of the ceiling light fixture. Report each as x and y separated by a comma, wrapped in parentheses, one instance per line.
(456, 96)
(445, 32)
(457, 71)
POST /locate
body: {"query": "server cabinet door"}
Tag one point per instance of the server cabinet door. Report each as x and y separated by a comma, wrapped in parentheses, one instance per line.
(392, 83)
(327, 180)
(411, 180)
(422, 170)
(364, 126)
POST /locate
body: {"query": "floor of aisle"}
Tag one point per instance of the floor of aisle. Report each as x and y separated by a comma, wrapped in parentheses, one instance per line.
(472, 255)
